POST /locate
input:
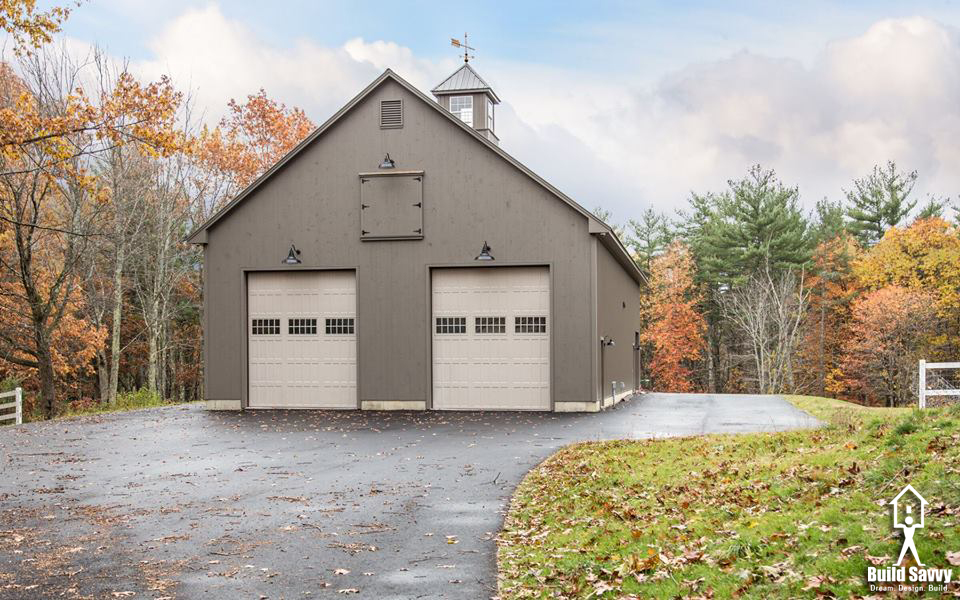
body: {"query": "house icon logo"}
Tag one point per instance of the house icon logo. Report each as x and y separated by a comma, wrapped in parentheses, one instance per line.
(908, 509)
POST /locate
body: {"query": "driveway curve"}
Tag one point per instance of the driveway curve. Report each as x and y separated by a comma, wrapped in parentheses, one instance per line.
(179, 502)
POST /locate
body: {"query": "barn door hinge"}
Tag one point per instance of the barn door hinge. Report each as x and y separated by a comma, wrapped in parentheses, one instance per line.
(362, 180)
(364, 232)
(420, 204)
(418, 178)
(363, 206)
(420, 231)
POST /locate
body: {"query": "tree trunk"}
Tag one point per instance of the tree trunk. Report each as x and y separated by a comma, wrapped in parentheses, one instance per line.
(823, 368)
(152, 362)
(48, 383)
(711, 361)
(103, 375)
(115, 329)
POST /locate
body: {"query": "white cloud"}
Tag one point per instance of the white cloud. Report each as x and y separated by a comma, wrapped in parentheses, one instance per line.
(615, 140)
(220, 59)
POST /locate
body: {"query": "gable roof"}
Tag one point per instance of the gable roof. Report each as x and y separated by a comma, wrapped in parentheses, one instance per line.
(595, 226)
(464, 79)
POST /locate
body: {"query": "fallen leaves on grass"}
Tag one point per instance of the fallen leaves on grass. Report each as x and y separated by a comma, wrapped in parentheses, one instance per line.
(778, 515)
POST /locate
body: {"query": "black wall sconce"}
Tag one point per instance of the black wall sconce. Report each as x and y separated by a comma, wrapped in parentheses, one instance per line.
(387, 162)
(293, 257)
(485, 252)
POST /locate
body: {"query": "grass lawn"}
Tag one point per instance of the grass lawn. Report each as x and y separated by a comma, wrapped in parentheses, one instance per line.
(126, 401)
(773, 515)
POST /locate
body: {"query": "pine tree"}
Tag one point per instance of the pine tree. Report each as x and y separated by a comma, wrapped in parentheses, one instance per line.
(758, 224)
(933, 208)
(880, 201)
(829, 221)
(648, 237)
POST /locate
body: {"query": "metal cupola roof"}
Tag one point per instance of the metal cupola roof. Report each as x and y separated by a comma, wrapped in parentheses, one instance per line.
(463, 80)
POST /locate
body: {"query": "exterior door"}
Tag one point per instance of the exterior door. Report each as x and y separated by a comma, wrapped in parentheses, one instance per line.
(491, 338)
(301, 339)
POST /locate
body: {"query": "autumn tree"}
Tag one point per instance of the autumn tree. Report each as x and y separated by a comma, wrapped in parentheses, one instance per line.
(885, 339)
(50, 202)
(29, 27)
(924, 257)
(832, 288)
(676, 327)
(879, 201)
(246, 143)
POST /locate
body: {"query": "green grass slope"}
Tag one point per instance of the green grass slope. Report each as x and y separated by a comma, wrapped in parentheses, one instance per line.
(779, 515)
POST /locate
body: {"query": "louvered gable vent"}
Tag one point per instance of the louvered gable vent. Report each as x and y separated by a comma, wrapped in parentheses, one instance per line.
(391, 114)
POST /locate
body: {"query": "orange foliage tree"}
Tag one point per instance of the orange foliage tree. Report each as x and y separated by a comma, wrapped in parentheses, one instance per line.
(924, 257)
(885, 338)
(832, 290)
(29, 27)
(51, 201)
(251, 139)
(676, 329)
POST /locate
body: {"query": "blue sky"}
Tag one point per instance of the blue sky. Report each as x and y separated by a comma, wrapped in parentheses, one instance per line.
(621, 104)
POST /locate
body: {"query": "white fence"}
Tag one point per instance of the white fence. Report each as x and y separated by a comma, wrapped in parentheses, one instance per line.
(923, 392)
(17, 405)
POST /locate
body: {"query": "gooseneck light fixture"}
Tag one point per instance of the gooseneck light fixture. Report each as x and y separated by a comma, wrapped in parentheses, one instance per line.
(484, 252)
(387, 162)
(293, 257)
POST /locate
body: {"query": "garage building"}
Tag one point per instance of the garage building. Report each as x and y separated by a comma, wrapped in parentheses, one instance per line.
(399, 259)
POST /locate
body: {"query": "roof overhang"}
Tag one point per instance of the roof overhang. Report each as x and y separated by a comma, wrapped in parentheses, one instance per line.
(489, 92)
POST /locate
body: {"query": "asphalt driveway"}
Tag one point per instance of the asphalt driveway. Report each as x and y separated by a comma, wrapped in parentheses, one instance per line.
(184, 503)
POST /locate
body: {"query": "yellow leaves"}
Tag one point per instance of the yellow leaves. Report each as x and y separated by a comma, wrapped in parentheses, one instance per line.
(925, 255)
(29, 28)
(65, 128)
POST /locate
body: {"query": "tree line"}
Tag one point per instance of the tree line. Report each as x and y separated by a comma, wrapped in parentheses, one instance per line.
(748, 293)
(102, 176)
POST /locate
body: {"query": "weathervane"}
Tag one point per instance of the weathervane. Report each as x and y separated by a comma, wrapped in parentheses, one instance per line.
(458, 44)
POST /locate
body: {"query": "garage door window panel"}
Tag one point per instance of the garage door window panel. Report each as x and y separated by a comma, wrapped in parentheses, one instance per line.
(451, 325)
(530, 325)
(265, 326)
(337, 326)
(391, 206)
(301, 326)
(490, 325)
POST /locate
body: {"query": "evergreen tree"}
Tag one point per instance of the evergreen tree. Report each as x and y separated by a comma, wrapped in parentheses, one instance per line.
(759, 225)
(933, 208)
(879, 201)
(648, 237)
(829, 221)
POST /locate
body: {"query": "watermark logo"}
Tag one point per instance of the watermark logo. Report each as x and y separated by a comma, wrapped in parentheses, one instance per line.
(908, 499)
(909, 515)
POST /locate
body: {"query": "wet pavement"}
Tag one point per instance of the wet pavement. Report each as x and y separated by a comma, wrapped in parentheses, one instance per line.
(180, 502)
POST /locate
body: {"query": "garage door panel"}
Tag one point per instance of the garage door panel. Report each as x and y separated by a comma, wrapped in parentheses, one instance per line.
(495, 367)
(301, 365)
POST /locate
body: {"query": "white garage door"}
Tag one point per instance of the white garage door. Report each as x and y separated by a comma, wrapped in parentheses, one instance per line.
(491, 338)
(302, 342)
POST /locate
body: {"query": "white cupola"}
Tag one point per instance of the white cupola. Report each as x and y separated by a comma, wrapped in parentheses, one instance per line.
(470, 99)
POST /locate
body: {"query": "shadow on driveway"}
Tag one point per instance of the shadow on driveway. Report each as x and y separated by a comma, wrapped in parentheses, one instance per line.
(179, 502)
